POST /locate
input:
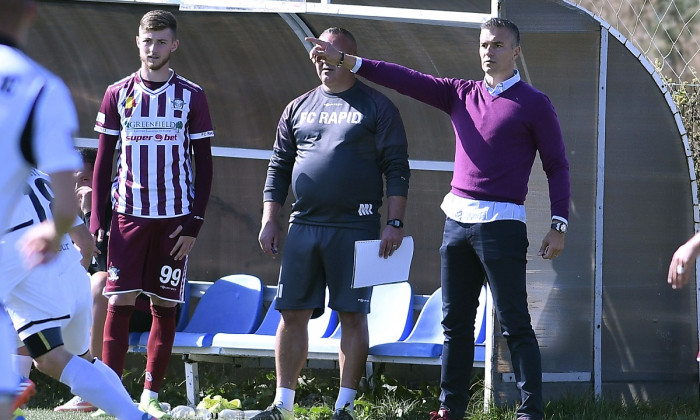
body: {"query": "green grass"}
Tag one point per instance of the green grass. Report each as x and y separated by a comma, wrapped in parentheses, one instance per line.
(388, 399)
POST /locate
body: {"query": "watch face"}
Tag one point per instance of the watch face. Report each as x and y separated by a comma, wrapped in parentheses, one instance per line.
(395, 223)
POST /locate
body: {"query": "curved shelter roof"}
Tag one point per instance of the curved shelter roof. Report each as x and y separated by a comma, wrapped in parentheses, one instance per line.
(603, 313)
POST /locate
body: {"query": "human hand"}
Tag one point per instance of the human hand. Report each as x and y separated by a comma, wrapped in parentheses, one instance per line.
(552, 245)
(183, 246)
(99, 235)
(40, 244)
(269, 238)
(391, 241)
(323, 51)
(84, 194)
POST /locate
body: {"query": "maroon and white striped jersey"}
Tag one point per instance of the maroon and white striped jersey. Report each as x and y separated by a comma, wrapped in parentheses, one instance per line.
(155, 127)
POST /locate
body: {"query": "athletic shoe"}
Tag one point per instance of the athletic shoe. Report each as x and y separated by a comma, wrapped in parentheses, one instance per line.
(343, 414)
(442, 413)
(18, 415)
(25, 391)
(76, 404)
(274, 412)
(152, 407)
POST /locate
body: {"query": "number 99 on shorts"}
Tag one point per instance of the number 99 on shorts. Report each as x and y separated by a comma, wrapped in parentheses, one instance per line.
(170, 276)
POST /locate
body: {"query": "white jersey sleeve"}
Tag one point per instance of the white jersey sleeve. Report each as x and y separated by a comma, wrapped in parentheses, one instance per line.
(55, 123)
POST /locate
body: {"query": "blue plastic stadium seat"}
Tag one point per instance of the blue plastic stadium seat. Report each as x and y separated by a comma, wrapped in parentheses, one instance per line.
(232, 304)
(389, 320)
(426, 339)
(182, 318)
(264, 337)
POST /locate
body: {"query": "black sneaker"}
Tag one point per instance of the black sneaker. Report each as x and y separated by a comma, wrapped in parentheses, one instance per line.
(274, 412)
(343, 414)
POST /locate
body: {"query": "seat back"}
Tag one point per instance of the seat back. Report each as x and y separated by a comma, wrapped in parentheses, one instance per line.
(232, 304)
(428, 328)
(183, 309)
(319, 327)
(391, 313)
(480, 324)
(269, 324)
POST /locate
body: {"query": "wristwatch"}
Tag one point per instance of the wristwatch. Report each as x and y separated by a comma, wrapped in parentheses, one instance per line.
(560, 227)
(395, 223)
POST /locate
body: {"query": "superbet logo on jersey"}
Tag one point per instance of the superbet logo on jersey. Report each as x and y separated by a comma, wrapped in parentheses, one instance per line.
(155, 137)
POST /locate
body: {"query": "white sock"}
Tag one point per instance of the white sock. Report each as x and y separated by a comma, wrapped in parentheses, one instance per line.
(147, 393)
(87, 381)
(22, 364)
(108, 373)
(284, 397)
(346, 399)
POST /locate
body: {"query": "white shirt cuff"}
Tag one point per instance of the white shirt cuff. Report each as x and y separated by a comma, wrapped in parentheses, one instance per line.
(356, 67)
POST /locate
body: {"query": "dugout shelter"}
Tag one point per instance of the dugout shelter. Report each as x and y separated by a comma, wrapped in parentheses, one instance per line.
(606, 320)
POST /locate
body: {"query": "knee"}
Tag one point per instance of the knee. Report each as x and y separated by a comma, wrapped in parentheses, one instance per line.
(123, 299)
(53, 362)
(97, 284)
(294, 319)
(353, 321)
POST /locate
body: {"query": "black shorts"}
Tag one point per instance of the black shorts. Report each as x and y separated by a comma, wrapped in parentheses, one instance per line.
(316, 257)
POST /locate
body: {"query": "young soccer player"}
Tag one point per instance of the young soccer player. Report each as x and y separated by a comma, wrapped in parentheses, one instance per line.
(160, 120)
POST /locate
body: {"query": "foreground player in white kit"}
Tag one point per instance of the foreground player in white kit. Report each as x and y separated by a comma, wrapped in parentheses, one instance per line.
(52, 302)
(37, 122)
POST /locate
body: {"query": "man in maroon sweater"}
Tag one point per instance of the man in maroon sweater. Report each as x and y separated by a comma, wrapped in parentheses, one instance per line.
(500, 124)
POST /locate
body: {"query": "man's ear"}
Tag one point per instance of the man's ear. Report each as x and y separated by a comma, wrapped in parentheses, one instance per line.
(517, 52)
(176, 44)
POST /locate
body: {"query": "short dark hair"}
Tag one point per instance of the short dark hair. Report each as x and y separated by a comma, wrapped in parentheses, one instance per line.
(503, 23)
(157, 20)
(89, 155)
(336, 30)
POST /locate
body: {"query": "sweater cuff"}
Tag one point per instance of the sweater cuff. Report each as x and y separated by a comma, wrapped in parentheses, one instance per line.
(192, 226)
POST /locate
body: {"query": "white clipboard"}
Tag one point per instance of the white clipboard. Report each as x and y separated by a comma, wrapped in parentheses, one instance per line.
(370, 269)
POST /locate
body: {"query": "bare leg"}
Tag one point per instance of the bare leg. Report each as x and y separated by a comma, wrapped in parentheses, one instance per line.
(291, 346)
(99, 312)
(354, 345)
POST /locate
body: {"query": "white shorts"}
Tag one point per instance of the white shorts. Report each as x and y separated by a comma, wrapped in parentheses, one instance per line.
(8, 377)
(56, 294)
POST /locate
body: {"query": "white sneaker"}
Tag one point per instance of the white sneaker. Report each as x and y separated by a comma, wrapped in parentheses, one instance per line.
(76, 404)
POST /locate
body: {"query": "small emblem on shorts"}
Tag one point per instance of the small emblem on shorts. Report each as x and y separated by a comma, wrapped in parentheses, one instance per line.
(113, 274)
(149, 377)
(363, 300)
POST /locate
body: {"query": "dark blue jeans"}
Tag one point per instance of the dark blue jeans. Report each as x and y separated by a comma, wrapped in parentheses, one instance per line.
(496, 252)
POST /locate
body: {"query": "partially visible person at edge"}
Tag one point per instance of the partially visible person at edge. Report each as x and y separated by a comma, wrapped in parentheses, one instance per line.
(334, 144)
(97, 268)
(680, 271)
(37, 122)
(500, 124)
(50, 307)
(159, 119)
